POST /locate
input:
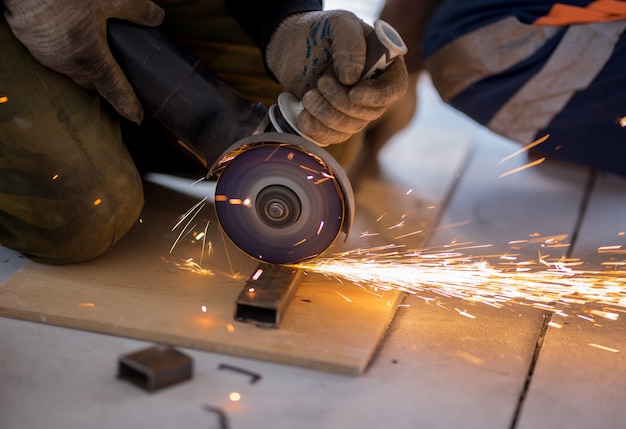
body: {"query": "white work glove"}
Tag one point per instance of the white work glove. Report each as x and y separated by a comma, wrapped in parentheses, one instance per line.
(319, 57)
(69, 36)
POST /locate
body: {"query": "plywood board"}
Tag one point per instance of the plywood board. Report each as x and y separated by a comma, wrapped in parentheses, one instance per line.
(137, 290)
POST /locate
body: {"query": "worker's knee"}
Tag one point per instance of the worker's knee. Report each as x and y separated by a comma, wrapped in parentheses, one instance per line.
(74, 227)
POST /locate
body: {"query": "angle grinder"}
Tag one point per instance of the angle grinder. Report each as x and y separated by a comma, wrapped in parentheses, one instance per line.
(279, 197)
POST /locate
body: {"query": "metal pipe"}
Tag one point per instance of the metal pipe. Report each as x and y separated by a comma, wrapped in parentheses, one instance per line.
(267, 294)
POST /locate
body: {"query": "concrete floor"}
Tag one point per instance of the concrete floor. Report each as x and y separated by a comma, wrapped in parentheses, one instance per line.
(510, 367)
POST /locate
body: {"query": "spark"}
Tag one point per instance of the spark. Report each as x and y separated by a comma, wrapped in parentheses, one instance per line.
(305, 168)
(273, 152)
(235, 396)
(230, 262)
(523, 167)
(343, 296)
(611, 249)
(322, 180)
(191, 214)
(201, 179)
(4, 99)
(97, 202)
(548, 283)
(409, 234)
(257, 274)
(470, 357)
(465, 313)
(606, 314)
(193, 266)
(608, 349)
(622, 121)
(525, 148)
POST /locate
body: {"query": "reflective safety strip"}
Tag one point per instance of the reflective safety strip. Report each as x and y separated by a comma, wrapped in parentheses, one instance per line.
(580, 56)
(484, 52)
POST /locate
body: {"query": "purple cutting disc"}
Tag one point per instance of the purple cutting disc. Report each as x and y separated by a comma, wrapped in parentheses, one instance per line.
(279, 204)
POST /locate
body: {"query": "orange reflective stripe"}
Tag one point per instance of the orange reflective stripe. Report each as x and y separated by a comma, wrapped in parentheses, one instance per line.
(596, 11)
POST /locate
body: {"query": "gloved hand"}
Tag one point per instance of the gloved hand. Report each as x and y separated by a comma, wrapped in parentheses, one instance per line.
(319, 57)
(69, 36)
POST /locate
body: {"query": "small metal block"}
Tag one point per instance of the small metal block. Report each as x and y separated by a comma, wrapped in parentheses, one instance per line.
(155, 368)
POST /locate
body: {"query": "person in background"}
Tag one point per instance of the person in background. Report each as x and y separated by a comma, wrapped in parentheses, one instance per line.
(525, 70)
(69, 188)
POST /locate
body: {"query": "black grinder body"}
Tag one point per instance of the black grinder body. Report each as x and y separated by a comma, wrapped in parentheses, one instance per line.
(179, 91)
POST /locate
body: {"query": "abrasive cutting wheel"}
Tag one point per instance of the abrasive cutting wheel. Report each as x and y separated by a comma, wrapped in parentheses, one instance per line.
(282, 199)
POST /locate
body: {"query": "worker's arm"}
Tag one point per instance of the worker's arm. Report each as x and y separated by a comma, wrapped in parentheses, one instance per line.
(69, 36)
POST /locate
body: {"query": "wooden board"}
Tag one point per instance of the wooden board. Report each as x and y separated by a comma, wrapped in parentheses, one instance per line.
(136, 290)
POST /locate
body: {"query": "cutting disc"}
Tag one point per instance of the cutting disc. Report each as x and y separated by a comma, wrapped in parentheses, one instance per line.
(278, 202)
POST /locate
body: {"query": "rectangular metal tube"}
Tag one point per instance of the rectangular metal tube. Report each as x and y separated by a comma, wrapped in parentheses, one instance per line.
(266, 295)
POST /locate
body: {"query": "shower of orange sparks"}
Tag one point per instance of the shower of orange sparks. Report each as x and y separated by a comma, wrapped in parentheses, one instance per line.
(495, 280)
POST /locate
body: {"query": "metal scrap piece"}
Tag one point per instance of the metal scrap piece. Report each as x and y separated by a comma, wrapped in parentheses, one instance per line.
(266, 294)
(221, 415)
(155, 368)
(254, 377)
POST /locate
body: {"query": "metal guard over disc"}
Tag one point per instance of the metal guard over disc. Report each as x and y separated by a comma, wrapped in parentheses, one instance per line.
(278, 203)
